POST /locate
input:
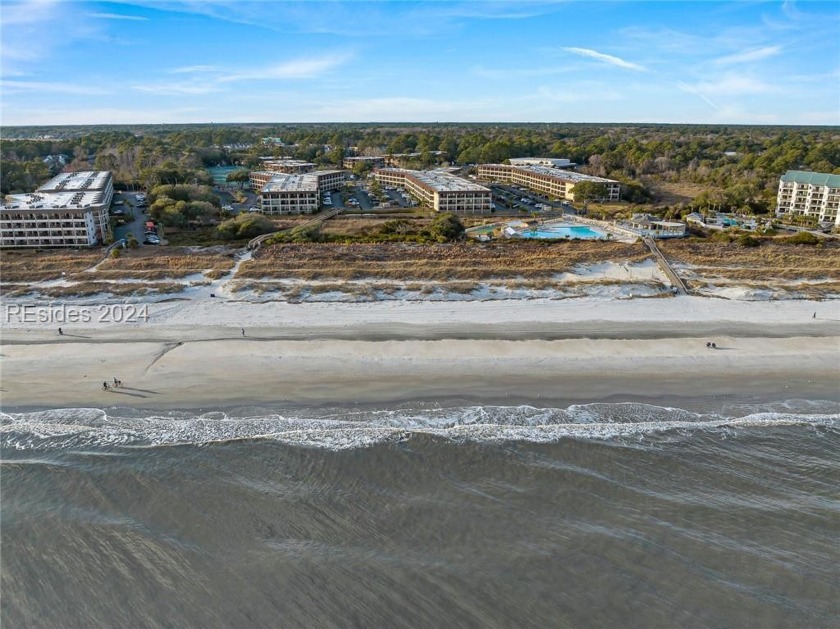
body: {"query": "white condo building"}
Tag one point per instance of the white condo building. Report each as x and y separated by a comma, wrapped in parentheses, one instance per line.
(70, 210)
(550, 181)
(295, 194)
(439, 190)
(541, 161)
(810, 194)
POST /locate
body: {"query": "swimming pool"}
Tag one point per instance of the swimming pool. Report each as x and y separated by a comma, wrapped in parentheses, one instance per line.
(582, 232)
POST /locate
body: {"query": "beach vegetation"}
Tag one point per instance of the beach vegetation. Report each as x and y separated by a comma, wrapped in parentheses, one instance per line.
(748, 240)
(802, 238)
(245, 226)
(446, 227)
(180, 205)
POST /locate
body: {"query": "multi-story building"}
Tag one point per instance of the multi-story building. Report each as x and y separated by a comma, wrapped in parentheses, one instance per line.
(810, 194)
(439, 190)
(541, 161)
(550, 181)
(297, 194)
(373, 162)
(70, 210)
(286, 165)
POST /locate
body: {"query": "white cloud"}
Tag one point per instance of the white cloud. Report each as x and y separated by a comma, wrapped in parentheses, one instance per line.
(117, 16)
(748, 56)
(196, 69)
(579, 92)
(34, 30)
(30, 12)
(693, 90)
(17, 87)
(104, 115)
(304, 68)
(731, 85)
(608, 59)
(507, 73)
(176, 89)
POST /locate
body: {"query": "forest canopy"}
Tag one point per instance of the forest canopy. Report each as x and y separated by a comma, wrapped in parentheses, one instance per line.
(735, 166)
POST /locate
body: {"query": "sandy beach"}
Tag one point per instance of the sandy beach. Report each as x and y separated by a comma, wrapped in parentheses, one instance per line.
(193, 354)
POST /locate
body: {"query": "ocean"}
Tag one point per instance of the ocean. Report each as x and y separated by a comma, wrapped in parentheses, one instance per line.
(723, 514)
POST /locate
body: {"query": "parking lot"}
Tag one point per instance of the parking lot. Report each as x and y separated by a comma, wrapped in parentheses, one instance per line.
(515, 200)
(127, 204)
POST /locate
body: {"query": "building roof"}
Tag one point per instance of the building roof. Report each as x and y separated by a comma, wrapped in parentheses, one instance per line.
(64, 200)
(439, 180)
(77, 182)
(814, 179)
(556, 173)
(365, 158)
(274, 164)
(541, 161)
(292, 183)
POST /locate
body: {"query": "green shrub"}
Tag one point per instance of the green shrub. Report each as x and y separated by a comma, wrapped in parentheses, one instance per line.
(245, 226)
(746, 240)
(803, 238)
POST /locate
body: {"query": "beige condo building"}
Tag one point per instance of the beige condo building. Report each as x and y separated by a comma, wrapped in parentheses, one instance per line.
(297, 194)
(550, 181)
(439, 190)
(70, 210)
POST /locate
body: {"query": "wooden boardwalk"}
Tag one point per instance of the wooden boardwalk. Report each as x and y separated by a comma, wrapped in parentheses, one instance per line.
(667, 269)
(256, 243)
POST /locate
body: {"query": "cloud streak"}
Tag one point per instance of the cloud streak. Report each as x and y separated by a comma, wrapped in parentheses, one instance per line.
(604, 58)
(117, 16)
(17, 87)
(303, 68)
(748, 56)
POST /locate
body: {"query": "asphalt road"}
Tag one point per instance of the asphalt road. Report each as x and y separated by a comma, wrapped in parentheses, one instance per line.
(137, 225)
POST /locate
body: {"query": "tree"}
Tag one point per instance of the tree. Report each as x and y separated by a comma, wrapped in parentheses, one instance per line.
(241, 177)
(587, 191)
(446, 227)
(245, 226)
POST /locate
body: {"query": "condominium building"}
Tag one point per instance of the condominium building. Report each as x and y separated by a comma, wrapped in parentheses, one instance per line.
(373, 162)
(286, 165)
(297, 194)
(439, 190)
(551, 162)
(70, 210)
(550, 181)
(810, 194)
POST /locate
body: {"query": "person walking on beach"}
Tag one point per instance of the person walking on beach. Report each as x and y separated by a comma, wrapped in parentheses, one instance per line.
(815, 316)
(60, 332)
(105, 386)
(243, 331)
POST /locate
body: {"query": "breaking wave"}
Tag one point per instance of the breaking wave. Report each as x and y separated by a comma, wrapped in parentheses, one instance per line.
(80, 428)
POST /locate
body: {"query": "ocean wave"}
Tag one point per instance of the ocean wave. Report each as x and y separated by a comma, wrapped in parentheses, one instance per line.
(82, 428)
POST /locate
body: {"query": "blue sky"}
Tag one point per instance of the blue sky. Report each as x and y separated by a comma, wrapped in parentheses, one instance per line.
(168, 61)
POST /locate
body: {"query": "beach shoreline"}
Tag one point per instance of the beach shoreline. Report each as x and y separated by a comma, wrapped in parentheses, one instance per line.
(218, 353)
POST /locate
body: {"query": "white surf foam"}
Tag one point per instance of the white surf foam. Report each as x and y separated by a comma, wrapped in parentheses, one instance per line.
(73, 429)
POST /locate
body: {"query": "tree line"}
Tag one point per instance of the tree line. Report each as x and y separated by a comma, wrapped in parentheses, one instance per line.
(737, 167)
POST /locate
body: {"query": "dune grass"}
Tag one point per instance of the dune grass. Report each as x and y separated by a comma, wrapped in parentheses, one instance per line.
(39, 266)
(441, 263)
